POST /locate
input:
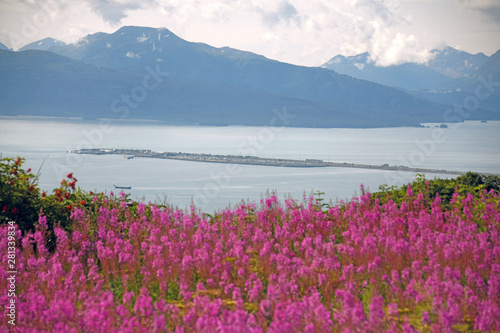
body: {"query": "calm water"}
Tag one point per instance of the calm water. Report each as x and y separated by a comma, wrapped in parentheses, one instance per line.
(468, 146)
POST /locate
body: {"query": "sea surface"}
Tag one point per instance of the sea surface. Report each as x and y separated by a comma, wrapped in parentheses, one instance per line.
(46, 143)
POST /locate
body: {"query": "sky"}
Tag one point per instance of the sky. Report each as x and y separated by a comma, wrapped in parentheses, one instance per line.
(301, 32)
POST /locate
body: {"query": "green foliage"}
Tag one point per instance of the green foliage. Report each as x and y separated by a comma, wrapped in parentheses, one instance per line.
(19, 194)
(323, 206)
(470, 182)
(22, 201)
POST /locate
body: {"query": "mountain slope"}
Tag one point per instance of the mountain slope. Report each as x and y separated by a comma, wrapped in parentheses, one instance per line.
(409, 76)
(489, 67)
(138, 47)
(462, 90)
(205, 85)
(455, 63)
(448, 64)
(3, 46)
(43, 44)
(46, 84)
(488, 77)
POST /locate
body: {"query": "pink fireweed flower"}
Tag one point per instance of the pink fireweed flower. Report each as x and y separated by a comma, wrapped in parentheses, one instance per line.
(364, 265)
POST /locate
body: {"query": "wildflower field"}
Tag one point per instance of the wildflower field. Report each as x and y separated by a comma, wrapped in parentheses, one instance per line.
(373, 264)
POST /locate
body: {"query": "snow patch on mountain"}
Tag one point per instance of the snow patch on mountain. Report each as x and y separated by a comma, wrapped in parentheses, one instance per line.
(142, 38)
(132, 55)
(359, 66)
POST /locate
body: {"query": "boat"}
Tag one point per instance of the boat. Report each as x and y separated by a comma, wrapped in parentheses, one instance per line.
(122, 187)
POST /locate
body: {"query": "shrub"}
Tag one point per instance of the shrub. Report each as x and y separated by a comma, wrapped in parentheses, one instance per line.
(19, 194)
(470, 182)
(22, 201)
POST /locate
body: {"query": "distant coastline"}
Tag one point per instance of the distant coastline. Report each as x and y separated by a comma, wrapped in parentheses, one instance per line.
(133, 121)
(82, 119)
(253, 160)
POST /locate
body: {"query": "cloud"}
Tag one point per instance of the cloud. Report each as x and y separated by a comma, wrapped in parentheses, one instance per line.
(487, 8)
(284, 12)
(373, 26)
(113, 11)
(302, 31)
(380, 9)
(296, 31)
(387, 46)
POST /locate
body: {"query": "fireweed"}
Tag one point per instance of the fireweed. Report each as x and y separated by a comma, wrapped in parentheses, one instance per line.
(275, 267)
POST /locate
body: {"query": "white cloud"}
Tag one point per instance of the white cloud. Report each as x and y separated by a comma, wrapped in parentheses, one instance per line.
(488, 8)
(389, 47)
(270, 36)
(355, 27)
(113, 11)
(282, 12)
(297, 31)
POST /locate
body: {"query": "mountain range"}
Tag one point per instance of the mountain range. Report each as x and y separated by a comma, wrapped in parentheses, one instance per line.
(200, 84)
(449, 78)
(43, 44)
(445, 66)
(459, 90)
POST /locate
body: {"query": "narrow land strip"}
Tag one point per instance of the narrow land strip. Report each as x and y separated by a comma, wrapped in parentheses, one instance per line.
(253, 160)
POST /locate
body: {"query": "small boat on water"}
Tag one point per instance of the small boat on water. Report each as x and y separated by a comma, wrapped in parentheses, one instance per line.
(122, 187)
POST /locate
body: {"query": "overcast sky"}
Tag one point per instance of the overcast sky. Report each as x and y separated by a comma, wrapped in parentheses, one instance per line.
(303, 32)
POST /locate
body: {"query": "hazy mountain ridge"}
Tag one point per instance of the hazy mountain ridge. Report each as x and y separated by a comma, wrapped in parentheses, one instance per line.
(455, 63)
(206, 85)
(447, 65)
(458, 91)
(449, 78)
(44, 83)
(3, 46)
(43, 44)
(408, 76)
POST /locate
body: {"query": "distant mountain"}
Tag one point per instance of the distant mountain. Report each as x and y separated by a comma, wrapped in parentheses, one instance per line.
(138, 47)
(448, 64)
(43, 44)
(46, 84)
(3, 47)
(489, 67)
(408, 76)
(205, 85)
(456, 64)
(459, 90)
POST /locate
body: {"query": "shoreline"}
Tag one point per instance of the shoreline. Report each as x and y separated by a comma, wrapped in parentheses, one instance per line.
(253, 160)
(156, 122)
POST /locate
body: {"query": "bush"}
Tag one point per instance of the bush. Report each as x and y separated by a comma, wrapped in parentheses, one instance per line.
(19, 194)
(22, 201)
(470, 182)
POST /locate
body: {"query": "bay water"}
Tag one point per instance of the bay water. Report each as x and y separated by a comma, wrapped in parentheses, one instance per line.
(46, 143)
